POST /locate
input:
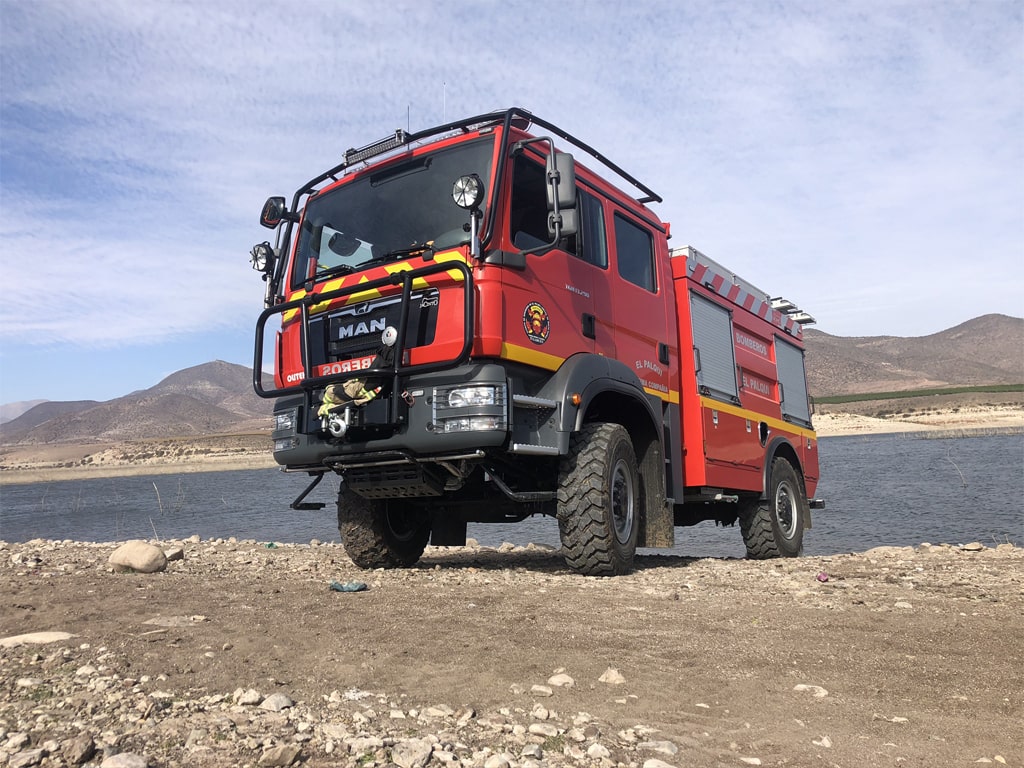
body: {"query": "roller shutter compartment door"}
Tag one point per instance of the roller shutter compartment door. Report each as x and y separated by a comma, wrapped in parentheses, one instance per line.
(790, 362)
(713, 352)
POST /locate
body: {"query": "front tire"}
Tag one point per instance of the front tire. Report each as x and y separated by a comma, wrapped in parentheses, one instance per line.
(599, 501)
(381, 533)
(774, 526)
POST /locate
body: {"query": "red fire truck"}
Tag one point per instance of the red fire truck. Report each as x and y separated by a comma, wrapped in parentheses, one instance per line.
(470, 327)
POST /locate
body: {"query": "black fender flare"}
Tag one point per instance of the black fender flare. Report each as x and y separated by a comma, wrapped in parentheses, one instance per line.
(782, 447)
(589, 376)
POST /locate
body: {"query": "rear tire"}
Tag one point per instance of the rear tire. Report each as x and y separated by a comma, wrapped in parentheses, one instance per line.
(774, 526)
(381, 533)
(599, 501)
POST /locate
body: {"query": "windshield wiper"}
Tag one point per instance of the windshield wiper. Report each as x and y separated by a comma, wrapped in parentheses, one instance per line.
(426, 250)
(336, 269)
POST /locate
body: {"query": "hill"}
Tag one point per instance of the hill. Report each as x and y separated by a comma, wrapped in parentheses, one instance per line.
(985, 350)
(211, 398)
(11, 411)
(217, 397)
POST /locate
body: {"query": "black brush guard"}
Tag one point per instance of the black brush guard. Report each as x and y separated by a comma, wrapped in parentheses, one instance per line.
(397, 371)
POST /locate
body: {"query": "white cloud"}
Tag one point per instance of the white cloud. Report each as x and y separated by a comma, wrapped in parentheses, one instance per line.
(846, 156)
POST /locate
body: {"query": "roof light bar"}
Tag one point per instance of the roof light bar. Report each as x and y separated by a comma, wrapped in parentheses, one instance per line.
(376, 148)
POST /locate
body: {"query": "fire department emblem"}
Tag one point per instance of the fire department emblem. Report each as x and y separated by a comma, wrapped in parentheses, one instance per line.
(536, 322)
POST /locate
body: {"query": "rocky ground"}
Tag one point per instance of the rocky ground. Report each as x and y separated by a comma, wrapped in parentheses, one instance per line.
(241, 654)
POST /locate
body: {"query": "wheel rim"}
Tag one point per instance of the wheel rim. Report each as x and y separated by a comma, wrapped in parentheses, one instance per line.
(402, 525)
(786, 510)
(622, 501)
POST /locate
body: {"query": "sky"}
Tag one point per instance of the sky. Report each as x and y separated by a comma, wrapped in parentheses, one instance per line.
(864, 159)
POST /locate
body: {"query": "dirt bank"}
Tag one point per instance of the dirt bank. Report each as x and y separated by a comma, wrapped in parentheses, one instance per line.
(69, 461)
(240, 654)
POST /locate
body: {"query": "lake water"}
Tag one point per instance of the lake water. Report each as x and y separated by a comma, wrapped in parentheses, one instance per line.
(879, 490)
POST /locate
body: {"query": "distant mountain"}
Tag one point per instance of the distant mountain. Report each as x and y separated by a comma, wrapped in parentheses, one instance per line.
(46, 410)
(217, 397)
(985, 350)
(11, 411)
(206, 399)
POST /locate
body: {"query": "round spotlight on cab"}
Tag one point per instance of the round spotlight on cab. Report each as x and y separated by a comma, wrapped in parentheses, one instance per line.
(468, 192)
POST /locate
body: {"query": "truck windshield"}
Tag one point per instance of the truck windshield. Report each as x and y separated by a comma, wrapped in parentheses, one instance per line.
(389, 213)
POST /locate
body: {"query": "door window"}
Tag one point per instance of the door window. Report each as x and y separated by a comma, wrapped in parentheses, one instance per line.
(634, 251)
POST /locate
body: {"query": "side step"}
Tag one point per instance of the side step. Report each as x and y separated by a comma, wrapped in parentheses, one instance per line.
(309, 506)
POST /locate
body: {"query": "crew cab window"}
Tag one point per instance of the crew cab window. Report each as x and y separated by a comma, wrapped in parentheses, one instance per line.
(592, 232)
(634, 249)
(528, 214)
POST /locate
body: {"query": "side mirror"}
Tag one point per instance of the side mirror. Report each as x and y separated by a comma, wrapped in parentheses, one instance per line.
(561, 173)
(561, 168)
(275, 211)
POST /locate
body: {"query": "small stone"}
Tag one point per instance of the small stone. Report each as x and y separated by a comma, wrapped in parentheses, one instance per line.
(16, 741)
(26, 759)
(974, 546)
(497, 761)
(541, 690)
(903, 605)
(414, 753)
(612, 676)
(817, 690)
(174, 553)
(561, 681)
(751, 760)
(248, 698)
(281, 755)
(598, 752)
(441, 710)
(138, 556)
(824, 742)
(532, 752)
(656, 763)
(665, 747)
(540, 712)
(125, 760)
(362, 745)
(79, 749)
(28, 682)
(276, 702)
(543, 729)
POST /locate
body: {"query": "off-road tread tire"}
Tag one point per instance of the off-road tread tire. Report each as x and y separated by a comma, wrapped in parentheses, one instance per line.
(762, 534)
(367, 539)
(589, 544)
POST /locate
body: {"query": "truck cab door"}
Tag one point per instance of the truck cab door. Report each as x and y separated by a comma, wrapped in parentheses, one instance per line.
(639, 308)
(549, 307)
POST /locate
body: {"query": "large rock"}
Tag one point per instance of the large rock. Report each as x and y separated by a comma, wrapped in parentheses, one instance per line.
(34, 638)
(138, 556)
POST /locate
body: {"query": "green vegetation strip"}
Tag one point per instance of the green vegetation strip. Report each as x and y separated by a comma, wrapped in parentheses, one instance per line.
(836, 399)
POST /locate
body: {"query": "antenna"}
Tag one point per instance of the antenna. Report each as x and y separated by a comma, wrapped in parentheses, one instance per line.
(408, 119)
(444, 102)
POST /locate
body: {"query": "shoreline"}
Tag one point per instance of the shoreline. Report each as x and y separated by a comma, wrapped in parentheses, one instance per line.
(61, 462)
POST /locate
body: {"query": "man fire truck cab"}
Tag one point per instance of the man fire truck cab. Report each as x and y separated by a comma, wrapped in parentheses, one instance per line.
(474, 328)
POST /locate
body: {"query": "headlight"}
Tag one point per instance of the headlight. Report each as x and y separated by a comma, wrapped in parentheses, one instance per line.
(475, 408)
(285, 421)
(459, 398)
(473, 424)
(286, 444)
